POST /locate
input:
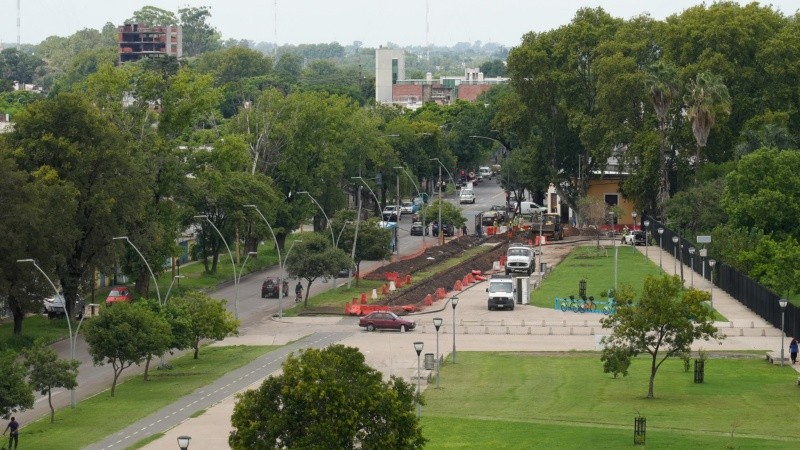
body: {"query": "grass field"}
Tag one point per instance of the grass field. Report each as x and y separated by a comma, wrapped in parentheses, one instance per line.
(97, 417)
(519, 400)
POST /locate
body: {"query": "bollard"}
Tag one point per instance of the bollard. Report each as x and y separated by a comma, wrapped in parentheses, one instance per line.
(639, 430)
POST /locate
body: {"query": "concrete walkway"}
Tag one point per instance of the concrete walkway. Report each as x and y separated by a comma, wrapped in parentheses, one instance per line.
(527, 328)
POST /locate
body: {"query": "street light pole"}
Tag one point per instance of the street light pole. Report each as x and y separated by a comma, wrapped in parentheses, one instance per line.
(782, 302)
(646, 238)
(327, 221)
(377, 203)
(633, 228)
(73, 337)
(675, 260)
(166, 297)
(419, 194)
(125, 238)
(711, 264)
(661, 246)
(691, 262)
(454, 303)
(233, 264)
(418, 348)
(277, 249)
(437, 322)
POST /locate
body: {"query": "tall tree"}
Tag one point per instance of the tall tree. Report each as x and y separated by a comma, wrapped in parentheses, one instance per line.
(207, 318)
(153, 16)
(664, 322)
(359, 410)
(198, 36)
(316, 258)
(661, 82)
(707, 96)
(47, 371)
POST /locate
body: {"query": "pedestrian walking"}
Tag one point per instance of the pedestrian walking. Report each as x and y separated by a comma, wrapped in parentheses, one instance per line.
(298, 292)
(793, 350)
(464, 229)
(13, 437)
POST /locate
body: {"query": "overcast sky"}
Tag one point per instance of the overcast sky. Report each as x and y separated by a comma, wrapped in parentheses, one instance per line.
(373, 22)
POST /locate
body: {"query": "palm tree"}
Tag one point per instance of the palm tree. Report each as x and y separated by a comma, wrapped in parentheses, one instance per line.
(707, 95)
(661, 83)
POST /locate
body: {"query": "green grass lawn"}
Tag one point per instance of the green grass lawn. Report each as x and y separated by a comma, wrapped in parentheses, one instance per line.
(519, 400)
(101, 415)
(597, 268)
(33, 327)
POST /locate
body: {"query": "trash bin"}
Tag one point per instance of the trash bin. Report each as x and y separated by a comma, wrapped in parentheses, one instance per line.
(543, 267)
(430, 361)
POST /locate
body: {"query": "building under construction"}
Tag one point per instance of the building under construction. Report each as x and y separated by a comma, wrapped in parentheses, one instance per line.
(138, 41)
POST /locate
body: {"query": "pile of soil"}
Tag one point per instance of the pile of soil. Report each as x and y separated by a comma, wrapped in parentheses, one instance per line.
(427, 260)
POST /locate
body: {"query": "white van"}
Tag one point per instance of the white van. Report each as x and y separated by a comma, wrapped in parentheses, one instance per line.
(466, 196)
(531, 208)
(485, 172)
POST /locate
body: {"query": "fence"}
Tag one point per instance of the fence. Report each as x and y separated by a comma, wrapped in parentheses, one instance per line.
(748, 292)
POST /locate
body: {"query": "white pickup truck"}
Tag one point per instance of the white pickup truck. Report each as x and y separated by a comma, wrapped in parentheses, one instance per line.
(520, 258)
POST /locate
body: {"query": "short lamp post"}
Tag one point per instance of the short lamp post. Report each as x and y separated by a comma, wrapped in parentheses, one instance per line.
(418, 347)
(183, 442)
(711, 264)
(646, 224)
(660, 244)
(454, 303)
(783, 303)
(691, 262)
(633, 228)
(437, 322)
(675, 261)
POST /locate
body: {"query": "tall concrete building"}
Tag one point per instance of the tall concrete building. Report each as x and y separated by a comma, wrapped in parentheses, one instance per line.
(138, 41)
(390, 66)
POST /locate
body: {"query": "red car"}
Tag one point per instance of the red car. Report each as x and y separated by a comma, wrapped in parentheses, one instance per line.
(118, 294)
(385, 320)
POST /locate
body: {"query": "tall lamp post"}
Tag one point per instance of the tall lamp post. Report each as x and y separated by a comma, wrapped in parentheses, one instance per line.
(454, 303)
(646, 238)
(691, 262)
(73, 337)
(418, 348)
(233, 264)
(437, 322)
(661, 245)
(711, 264)
(126, 239)
(377, 203)
(633, 228)
(277, 249)
(327, 221)
(783, 303)
(675, 261)
(616, 251)
(419, 194)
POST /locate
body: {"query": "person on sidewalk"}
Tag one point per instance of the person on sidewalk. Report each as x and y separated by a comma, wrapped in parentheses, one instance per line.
(793, 350)
(13, 437)
(298, 292)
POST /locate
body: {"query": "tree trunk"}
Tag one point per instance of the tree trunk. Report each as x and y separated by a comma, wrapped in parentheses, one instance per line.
(143, 282)
(50, 402)
(697, 164)
(196, 348)
(653, 368)
(663, 188)
(147, 367)
(114, 383)
(18, 313)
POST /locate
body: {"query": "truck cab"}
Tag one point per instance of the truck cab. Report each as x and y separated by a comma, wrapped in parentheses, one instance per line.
(501, 292)
(520, 258)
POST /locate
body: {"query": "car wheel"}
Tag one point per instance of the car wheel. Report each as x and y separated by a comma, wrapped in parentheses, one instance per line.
(402, 328)
(370, 327)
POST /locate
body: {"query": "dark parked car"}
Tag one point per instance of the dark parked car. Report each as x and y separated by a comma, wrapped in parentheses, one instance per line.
(448, 229)
(269, 288)
(417, 229)
(634, 238)
(385, 320)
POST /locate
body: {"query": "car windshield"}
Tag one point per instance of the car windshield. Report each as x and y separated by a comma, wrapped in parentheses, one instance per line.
(519, 252)
(500, 287)
(117, 293)
(408, 204)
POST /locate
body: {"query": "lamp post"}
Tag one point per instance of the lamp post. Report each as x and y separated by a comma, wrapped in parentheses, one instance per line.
(183, 442)
(377, 203)
(241, 269)
(419, 194)
(675, 261)
(616, 251)
(166, 297)
(646, 238)
(73, 337)
(336, 243)
(711, 264)
(437, 322)
(418, 347)
(691, 262)
(439, 223)
(633, 228)
(327, 221)
(277, 249)
(280, 280)
(233, 264)
(125, 238)
(783, 303)
(454, 303)
(661, 245)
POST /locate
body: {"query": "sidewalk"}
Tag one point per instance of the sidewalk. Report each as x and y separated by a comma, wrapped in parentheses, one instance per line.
(527, 328)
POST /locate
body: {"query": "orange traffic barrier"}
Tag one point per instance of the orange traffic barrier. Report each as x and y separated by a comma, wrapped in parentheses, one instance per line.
(410, 308)
(502, 260)
(428, 300)
(363, 297)
(458, 286)
(384, 289)
(347, 309)
(398, 283)
(355, 310)
(471, 278)
(408, 279)
(475, 272)
(465, 281)
(480, 278)
(440, 293)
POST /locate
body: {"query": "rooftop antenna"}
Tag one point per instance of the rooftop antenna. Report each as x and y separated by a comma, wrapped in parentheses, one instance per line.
(18, 42)
(427, 30)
